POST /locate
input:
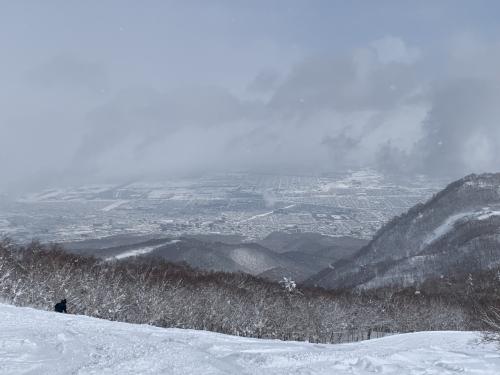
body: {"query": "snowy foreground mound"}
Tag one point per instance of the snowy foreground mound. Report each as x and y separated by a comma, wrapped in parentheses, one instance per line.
(38, 342)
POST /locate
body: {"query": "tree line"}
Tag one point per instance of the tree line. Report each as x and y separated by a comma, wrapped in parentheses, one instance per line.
(155, 292)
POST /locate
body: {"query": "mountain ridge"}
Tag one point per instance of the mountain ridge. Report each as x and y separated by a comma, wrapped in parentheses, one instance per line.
(464, 216)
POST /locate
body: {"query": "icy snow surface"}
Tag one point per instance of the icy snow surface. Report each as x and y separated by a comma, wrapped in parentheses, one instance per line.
(39, 342)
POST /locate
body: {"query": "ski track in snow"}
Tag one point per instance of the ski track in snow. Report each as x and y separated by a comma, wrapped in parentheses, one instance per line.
(40, 342)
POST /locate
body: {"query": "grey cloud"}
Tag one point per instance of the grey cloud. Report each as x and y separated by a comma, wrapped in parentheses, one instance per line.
(328, 113)
(342, 149)
(392, 160)
(374, 105)
(347, 84)
(391, 49)
(462, 131)
(146, 119)
(265, 82)
(69, 73)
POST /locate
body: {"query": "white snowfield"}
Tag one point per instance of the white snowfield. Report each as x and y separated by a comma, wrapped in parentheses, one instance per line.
(39, 342)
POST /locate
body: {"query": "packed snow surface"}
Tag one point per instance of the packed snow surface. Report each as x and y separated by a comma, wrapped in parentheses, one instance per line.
(39, 342)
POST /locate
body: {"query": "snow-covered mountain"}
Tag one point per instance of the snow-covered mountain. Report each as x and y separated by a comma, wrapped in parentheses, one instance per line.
(40, 342)
(456, 232)
(296, 255)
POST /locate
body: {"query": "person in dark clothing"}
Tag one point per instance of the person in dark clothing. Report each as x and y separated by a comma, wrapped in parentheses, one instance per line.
(60, 307)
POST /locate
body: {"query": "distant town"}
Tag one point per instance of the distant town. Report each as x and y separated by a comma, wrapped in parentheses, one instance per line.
(250, 205)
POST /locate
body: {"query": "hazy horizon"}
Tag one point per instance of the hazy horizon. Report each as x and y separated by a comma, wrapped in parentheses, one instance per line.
(120, 90)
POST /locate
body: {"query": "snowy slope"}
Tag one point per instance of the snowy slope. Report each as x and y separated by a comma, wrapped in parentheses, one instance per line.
(38, 342)
(449, 223)
(457, 228)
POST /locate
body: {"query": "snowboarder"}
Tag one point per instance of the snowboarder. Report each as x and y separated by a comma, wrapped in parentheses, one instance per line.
(61, 307)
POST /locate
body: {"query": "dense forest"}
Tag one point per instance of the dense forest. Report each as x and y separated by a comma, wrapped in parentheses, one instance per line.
(172, 295)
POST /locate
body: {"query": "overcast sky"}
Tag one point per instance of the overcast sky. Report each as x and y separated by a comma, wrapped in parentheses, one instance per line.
(101, 91)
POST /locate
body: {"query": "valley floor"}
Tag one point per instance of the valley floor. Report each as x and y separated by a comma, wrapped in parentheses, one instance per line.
(39, 342)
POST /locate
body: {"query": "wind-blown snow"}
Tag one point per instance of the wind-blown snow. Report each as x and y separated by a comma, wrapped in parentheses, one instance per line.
(39, 342)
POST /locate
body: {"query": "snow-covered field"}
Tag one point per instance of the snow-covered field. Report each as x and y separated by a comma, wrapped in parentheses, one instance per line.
(38, 342)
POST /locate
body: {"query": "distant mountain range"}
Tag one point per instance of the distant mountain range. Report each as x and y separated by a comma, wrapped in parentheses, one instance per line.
(296, 255)
(456, 232)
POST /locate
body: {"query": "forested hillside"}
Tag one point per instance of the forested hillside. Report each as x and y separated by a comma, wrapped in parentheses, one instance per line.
(456, 232)
(167, 295)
